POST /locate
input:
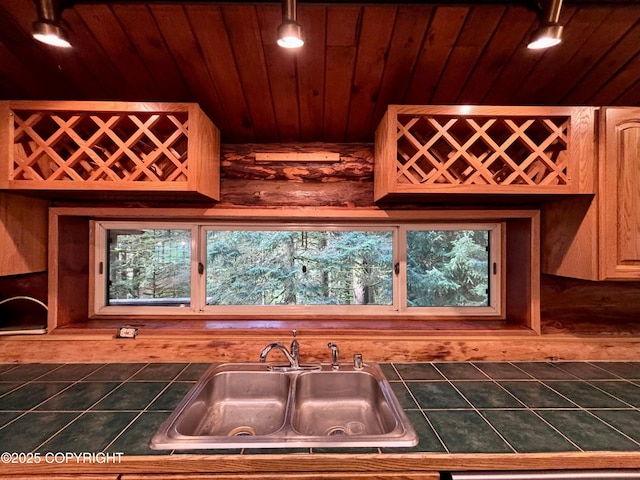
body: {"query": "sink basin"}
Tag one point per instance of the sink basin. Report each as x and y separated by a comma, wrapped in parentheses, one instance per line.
(347, 403)
(246, 405)
(232, 403)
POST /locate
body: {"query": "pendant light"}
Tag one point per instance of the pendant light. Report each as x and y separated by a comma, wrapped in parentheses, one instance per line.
(289, 31)
(549, 33)
(47, 28)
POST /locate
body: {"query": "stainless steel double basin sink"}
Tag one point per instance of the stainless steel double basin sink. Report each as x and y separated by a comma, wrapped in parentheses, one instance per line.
(251, 405)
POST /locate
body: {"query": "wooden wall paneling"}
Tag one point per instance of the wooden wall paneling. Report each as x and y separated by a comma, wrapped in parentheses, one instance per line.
(444, 29)
(70, 66)
(280, 64)
(577, 30)
(628, 97)
(86, 48)
(406, 42)
(310, 62)
(114, 40)
(523, 267)
(373, 46)
(600, 74)
(31, 54)
(569, 237)
(479, 27)
(507, 41)
(244, 34)
(518, 69)
(68, 270)
(149, 43)
(617, 86)
(210, 30)
(188, 56)
(26, 82)
(23, 237)
(592, 50)
(342, 27)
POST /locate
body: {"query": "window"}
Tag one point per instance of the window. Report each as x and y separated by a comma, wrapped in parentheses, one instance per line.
(239, 269)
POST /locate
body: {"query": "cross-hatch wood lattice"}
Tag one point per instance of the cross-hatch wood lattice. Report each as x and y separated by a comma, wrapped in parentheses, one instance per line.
(92, 146)
(482, 150)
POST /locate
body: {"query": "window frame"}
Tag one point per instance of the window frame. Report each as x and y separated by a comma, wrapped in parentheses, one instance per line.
(199, 228)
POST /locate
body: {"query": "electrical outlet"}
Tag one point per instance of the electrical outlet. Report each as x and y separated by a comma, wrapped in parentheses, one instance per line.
(127, 332)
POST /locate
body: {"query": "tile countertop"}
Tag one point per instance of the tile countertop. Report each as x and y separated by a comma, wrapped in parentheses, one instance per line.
(457, 408)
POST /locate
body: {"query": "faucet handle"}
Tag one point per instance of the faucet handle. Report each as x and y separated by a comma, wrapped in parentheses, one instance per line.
(295, 333)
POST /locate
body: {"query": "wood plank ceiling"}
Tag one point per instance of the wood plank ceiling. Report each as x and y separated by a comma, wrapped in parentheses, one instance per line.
(358, 58)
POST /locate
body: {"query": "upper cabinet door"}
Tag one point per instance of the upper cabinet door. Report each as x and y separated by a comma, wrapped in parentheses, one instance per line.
(620, 194)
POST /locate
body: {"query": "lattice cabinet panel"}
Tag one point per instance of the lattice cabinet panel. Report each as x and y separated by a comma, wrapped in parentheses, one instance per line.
(429, 149)
(107, 146)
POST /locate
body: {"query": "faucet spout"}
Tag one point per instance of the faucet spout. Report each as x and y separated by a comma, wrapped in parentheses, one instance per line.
(282, 348)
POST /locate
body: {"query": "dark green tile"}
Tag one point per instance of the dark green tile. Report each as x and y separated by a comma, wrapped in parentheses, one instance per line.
(628, 370)
(79, 396)
(627, 421)
(27, 372)
(7, 387)
(536, 395)
(487, 395)
(159, 372)
(389, 372)
(172, 396)
(544, 371)
(193, 372)
(586, 431)
(418, 371)
(104, 427)
(30, 430)
(526, 432)
(625, 391)
(464, 431)
(403, 395)
(70, 372)
(115, 371)
(6, 417)
(427, 439)
(502, 371)
(5, 367)
(585, 395)
(130, 396)
(460, 371)
(437, 395)
(585, 370)
(31, 395)
(135, 439)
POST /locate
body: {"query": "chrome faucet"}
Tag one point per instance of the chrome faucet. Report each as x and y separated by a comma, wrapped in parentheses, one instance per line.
(292, 360)
(293, 357)
(334, 355)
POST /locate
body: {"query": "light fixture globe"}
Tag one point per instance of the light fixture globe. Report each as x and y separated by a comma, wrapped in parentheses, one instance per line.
(290, 35)
(50, 34)
(546, 36)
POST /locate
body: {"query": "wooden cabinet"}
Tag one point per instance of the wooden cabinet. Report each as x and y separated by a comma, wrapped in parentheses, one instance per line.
(619, 194)
(598, 237)
(116, 148)
(23, 234)
(423, 151)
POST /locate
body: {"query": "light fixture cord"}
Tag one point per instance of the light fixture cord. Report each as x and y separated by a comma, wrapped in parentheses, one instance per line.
(551, 11)
(48, 10)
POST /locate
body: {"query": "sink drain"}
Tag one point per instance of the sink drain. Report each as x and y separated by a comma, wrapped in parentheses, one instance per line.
(333, 431)
(351, 428)
(242, 432)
